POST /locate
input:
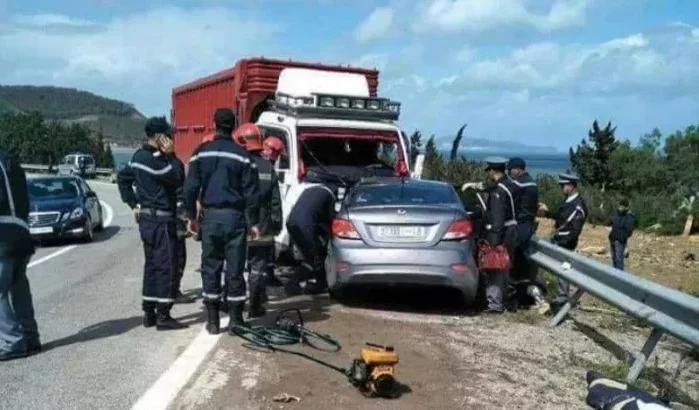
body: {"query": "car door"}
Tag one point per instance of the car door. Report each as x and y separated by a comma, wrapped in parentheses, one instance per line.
(284, 166)
(92, 204)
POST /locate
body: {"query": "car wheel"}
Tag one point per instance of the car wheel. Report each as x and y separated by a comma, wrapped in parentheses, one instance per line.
(100, 224)
(89, 231)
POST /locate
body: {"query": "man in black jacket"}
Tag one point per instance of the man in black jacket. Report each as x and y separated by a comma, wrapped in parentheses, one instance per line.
(19, 335)
(156, 178)
(269, 214)
(500, 228)
(223, 176)
(623, 224)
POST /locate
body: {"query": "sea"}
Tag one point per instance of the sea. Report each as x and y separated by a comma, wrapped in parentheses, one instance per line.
(539, 163)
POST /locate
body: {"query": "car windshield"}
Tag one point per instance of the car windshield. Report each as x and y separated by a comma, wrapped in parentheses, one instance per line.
(403, 194)
(52, 188)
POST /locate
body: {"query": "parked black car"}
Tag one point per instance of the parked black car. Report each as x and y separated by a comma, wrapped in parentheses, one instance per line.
(63, 207)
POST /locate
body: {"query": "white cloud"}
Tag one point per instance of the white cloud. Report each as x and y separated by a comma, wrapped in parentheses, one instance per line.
(480, 15)
(48, 20)
(376, 26)
(637, 63)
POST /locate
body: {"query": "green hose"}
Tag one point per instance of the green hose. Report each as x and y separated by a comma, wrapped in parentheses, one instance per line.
(287, 331)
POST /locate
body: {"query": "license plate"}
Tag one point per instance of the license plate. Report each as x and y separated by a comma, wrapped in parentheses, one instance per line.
(407, 232)
(39, 231)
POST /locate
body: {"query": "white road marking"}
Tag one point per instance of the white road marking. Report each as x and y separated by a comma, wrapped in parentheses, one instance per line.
(107, 221)
(51, 256)
(162, 393)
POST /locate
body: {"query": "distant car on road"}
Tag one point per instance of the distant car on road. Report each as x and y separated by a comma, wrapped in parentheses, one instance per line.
(395, 231)
(115, 171)
(63, 207)
(78, 164)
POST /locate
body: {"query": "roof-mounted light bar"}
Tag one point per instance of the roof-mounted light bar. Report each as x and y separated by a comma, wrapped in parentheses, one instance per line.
(338, 106)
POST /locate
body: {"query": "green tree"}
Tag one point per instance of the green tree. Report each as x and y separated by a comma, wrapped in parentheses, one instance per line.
(456, 143)
(590, 160)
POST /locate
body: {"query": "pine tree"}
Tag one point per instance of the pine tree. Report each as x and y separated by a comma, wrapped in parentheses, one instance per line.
(591, 159)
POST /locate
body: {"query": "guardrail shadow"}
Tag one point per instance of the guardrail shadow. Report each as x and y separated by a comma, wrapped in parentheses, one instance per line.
(653, 374)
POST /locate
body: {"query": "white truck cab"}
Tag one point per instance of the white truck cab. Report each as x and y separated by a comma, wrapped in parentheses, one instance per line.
(332, 128)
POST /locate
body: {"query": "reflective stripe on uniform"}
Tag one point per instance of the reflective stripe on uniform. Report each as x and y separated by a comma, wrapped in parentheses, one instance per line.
(522, 184)
(150, 170)
(265, 176)
(564, 233)
(211, 296)
(512, 201)
(158, 300)
(510, 222)
(236, 298)
(221, 154)
(482, 201)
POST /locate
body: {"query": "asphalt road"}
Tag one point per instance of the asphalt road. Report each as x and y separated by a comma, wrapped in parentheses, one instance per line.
(87, 301)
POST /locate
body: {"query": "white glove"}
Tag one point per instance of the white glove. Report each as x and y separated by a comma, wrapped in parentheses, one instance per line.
(472, 185)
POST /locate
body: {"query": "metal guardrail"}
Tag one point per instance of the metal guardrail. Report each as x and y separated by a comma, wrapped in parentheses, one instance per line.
(40, 168)
(666, 310)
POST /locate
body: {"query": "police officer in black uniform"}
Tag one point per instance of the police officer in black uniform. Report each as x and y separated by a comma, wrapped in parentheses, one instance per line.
(309, 226)
(223, 176)
(569, 221)
(156, 178)
(500, 228)
(528, 289)
(269, 214)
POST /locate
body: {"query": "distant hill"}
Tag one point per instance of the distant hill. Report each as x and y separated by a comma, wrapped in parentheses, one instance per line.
(488, 146)
(120, 122)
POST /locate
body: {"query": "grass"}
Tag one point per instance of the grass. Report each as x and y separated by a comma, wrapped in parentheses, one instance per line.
(615, 370)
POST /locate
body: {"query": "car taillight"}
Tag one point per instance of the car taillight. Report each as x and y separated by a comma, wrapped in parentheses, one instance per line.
(302, 171)
(459, 229)
(343, 228)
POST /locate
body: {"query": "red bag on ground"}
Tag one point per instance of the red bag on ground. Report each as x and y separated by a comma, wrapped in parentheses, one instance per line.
(493, 257)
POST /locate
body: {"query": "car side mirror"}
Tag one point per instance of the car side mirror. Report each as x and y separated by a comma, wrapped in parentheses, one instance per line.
(90, 194)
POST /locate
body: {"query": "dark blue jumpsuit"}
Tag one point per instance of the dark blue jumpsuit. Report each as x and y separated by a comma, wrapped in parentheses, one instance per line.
(569, 221)
(156, 178)
(269, 214)
(223, 176)
(181, 234)
(309, 226)
(527, 202)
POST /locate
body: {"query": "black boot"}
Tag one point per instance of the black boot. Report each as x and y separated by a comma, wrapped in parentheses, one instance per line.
(181, 298)
(149, 318)
(165, 321)
(315, 287)
(256, 308)
(236, 316)
(213, 320)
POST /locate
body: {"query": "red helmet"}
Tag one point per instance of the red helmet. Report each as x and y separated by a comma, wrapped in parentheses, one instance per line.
(273, 148)
(249, 136)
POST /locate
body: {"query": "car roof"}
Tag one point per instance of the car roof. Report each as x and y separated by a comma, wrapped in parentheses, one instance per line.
(383, 181)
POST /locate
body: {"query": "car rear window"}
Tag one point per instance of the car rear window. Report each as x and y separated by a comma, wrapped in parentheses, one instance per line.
(404, 194)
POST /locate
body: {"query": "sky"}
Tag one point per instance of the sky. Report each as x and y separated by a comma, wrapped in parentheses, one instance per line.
(533, 71)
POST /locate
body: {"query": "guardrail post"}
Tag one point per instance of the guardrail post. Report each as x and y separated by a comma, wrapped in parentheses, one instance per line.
(570, 304)
(643, 355)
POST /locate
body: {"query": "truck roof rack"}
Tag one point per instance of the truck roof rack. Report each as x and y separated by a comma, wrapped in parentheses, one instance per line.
(329, 106)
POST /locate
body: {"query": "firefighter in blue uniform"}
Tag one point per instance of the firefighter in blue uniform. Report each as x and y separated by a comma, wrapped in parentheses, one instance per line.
(500, 228)
(528, 290)
(223, 177)
(569, 221)
(156, 178)
(309, 226)
(19, 334)
(269, 214)
(182, 234)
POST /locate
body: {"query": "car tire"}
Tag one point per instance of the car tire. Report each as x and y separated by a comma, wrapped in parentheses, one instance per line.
(100, 224)
(89, 231)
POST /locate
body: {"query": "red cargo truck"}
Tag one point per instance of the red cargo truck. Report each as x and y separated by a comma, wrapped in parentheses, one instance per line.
(335, 128)
(245, 88)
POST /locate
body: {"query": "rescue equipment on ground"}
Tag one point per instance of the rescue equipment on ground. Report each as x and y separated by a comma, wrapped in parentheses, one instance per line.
(372, 373)
(493, 257)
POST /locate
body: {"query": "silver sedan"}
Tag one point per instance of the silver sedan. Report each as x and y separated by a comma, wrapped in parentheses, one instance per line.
(395, 231)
